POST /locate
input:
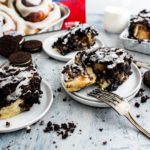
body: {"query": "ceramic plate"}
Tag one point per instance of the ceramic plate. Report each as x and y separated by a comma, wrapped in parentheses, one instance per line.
(47, 47)
(26, 119)
(127, 90)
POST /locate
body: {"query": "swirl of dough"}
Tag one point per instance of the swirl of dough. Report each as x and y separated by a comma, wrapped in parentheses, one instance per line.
(37, 14)
(10, 24)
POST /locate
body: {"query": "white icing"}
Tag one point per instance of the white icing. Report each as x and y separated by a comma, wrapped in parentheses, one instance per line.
(44, 6)
(23, 77)
(142, 16)
(107, 55)
(10, 22)
(47, 22)
(72, 31)
(74, 69)
(34, 2)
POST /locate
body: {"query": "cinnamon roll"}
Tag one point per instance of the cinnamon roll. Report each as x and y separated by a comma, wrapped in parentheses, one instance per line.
(3, 1)
(36, 14)
(10, 24)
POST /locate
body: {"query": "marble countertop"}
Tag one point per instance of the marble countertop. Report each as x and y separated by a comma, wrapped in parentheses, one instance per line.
(117, 131)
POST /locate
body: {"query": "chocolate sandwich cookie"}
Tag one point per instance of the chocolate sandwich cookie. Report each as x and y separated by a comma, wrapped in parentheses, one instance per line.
(20, 59)
(8, 45)
(20, 39)
(146, 78)
(32, 46)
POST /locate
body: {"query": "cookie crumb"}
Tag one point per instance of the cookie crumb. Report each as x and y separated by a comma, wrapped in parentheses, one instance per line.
(101, 129)
(7, 124)
(104, 142)
(137, 105)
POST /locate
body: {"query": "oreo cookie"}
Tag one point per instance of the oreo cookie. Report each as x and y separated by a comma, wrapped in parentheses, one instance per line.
(20, 39)
(8, 45)
(146, 78)
(20, 58)
(32, 46)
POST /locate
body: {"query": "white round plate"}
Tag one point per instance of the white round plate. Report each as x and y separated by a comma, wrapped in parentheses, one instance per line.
(127, 90)
(47, 47)
(28, 118)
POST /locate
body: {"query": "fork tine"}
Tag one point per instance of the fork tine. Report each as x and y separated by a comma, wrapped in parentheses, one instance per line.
(104, 97)
(113, 97)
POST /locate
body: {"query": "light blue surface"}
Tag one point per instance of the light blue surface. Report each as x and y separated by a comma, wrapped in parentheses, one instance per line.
(117, 131)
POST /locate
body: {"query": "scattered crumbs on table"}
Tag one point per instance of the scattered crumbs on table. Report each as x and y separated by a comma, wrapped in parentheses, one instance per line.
(101, 129)
(110, 140)
(64, 99)
(59, 89)
(104, 142)
(90, 138)
(7, 124)
(56, 146)
(140, 92)
(30, 138)
(8, 147)
(73, 145)
(64, 129)
(54, 96)
(28, 129)
(41, 123)
(103, 120)
(144, 98)
(54, 142)
(146, 110)
(137, 116)
(137, 105)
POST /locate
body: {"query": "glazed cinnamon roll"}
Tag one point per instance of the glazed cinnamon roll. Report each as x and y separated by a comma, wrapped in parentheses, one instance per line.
(3, 1)
(10, 24)
(37, 14)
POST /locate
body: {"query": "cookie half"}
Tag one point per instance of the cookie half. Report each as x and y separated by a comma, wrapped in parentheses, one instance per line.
(32, 46)
(20, 58)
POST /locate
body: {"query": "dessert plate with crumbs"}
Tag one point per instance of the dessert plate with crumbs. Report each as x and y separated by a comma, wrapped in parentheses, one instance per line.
(27, 118)
(64, 45)
(126, 90)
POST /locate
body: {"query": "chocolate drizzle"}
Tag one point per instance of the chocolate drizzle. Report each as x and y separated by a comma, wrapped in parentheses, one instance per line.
(142, 18)
(19, 82)
(77, 38)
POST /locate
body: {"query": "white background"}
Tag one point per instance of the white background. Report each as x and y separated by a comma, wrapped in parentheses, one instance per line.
(98, 6)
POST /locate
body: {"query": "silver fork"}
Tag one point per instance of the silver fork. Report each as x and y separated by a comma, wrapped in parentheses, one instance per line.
(119, 105)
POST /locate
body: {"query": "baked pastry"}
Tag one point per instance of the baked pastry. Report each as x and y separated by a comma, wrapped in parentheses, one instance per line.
(36, 14)
(19, 88)
(77, 77)
(77, 38)
(139, 27)
(110, 66)
(10, 23)
(3, 1)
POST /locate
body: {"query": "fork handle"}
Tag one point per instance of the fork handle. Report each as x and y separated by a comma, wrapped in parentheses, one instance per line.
(132, 120)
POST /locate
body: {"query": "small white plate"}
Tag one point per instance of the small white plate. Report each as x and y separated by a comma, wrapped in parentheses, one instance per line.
(47, 47)
(28, 118)
(127, 90)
